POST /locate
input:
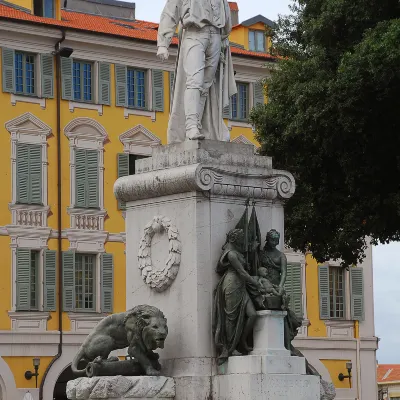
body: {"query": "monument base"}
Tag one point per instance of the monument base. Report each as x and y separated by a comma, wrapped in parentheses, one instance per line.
(258, 385)
(121, 387)
(269, 373)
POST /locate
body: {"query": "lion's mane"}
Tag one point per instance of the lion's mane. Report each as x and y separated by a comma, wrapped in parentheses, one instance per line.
(136, 320)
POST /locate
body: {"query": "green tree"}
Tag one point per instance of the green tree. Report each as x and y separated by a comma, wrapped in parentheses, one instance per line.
(333, 120)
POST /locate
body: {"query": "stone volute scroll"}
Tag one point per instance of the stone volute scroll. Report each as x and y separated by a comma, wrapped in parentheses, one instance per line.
(160, 279)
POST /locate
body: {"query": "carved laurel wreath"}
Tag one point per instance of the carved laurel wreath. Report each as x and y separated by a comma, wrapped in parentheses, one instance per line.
(159, 280)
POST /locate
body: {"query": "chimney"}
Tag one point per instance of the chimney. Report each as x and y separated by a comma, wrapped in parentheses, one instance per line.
(234, 12)
(105, 8)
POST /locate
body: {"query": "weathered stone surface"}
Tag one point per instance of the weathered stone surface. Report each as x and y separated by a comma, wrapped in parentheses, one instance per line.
(229, 169)
(266, 387)
(327, 389)
(121, 387)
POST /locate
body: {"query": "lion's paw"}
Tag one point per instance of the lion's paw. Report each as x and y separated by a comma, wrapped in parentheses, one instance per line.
(98, 360)
(150, 371)
(112, 359)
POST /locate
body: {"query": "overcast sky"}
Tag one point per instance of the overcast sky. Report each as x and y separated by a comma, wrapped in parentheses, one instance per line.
(150, 10)
(385, 258)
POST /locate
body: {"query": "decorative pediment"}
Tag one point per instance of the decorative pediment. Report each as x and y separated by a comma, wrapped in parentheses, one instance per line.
(243, 140)
(87, 129)
(138, 138)
(29, 124)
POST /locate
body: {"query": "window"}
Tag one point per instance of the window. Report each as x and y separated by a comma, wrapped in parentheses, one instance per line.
(82, 78)
(28, 278)
(29, 173)
(85, 282)
(24, 73)
(133, 89)
(336, 292)
(257, 41)
(86, 178)
(240, 102)
(341, 292)
(126, 166)
(136, 88)
(84, 277)
(44, 8)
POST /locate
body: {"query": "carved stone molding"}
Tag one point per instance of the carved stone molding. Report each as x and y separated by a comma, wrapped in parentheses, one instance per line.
(273, 185)
(25, 321)
(219, 168)
(86, 241)
(84, 322)
(340, 329)
(159, 280)
(29, 215)
(139, 140)
(87, 219)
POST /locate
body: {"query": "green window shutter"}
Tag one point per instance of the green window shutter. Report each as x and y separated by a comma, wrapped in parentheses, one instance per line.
(80, 178)
(324, 303)
(49, 287)
(357, 293)
(23, 284)
(66, 78)
(258, 93)
(47, 71)
(121, 85)
(23, 173)
(8, 68)
(35, 174)
(123, 170)
(92, 187)
(104, 83)
(158, 90)
(107, 282)
(293, 287)
(68, 259)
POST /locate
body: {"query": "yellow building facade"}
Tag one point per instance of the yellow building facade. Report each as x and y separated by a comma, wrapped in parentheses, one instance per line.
(82, 97)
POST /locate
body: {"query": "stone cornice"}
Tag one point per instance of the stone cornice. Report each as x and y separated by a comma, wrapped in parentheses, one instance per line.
(219, 168)
(223, 181)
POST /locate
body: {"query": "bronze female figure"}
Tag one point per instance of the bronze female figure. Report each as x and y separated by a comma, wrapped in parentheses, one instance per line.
(234, 311)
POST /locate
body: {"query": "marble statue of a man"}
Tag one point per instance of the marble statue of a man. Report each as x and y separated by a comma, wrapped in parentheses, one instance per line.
(204, 79)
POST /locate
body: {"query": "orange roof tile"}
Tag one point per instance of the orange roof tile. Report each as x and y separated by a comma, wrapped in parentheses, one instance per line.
(233, 6)
(388, 373)
(141, 30)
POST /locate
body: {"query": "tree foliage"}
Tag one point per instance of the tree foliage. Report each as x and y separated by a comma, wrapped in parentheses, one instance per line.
(333, 120)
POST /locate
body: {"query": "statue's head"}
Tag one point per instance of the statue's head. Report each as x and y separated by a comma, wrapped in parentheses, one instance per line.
(236, 237)
(272, 239)
(262, 272)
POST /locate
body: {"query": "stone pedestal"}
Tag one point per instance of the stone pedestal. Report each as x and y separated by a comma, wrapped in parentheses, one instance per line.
(269, 334)
(180, 205)
(121, 387)
(269, 373)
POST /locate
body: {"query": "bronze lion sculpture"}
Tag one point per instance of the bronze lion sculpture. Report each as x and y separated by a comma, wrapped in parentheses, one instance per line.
(141, 329)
